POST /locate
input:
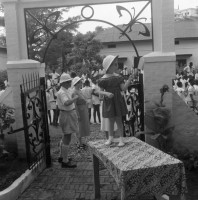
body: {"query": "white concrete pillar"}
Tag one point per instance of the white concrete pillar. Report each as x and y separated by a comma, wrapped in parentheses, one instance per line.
(17, 69)
(163, 25)
(159, 66)
(12, 30)
(159, 69)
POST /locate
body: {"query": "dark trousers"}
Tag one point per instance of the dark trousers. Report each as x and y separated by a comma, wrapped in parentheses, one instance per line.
(89, 109)
(96, 110)
(56, 115)
(49, 115)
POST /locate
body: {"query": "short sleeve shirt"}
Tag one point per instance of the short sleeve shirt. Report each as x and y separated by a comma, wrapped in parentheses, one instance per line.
(64, 95)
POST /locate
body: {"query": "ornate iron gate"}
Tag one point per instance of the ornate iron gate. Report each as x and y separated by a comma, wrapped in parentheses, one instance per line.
(35, 122)
(134, 121)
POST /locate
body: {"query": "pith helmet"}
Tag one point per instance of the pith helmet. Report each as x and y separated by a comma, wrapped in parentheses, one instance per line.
(65, 77)
(108, 61)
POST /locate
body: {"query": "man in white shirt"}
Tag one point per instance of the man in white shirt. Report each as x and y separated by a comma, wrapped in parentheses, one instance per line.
(68, 118)
(190, 70)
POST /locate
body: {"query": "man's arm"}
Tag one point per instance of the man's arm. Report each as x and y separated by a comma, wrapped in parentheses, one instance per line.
(70, 101)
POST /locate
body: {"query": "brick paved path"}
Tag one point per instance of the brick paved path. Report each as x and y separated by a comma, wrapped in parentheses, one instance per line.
(56, 183)
(70, 184)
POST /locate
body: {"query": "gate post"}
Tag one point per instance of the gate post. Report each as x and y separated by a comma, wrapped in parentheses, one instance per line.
(16, 69)
(159, 66)
(46, 134)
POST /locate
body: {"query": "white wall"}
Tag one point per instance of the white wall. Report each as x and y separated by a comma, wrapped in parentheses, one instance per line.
(187, 46)
(127, 50)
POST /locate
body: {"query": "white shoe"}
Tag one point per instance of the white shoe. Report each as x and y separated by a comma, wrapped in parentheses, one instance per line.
(121, 143)
(109, 141)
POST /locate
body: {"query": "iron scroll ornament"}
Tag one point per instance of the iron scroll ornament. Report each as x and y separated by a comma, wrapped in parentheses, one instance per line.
(33, 114)
(35, 128)
(134, 19)
(47, 32)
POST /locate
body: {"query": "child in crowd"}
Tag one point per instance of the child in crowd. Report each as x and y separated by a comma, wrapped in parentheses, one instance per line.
(48, 105)
(87, 92)
(114, 106)
(191, 92)
(180, 90)
(96, 101)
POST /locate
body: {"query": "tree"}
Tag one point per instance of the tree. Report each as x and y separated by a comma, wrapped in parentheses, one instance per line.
(2, 25)
(42, 26)
(58, 50)
(99, 29)
(86, 53)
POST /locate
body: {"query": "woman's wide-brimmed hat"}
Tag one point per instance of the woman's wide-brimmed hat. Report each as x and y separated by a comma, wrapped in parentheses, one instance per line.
(76, 80)
(108, 60)
(65, 77)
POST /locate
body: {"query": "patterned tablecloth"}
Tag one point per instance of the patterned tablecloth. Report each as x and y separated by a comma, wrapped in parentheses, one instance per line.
(140, 169)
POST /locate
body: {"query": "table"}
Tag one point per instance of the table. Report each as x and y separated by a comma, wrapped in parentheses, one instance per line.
(139, 169)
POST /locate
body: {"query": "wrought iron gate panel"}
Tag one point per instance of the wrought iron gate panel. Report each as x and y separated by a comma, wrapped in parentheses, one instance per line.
(34, 110)
(134, 121)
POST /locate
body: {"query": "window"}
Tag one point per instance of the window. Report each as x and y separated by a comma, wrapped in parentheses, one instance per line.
(111, 45)
(176, 42)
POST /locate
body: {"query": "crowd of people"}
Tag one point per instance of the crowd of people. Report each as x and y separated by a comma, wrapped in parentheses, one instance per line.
(72, 98)
(186, 86)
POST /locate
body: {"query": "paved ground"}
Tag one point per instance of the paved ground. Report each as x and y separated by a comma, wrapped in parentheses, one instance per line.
(69, 184)
(56, 183)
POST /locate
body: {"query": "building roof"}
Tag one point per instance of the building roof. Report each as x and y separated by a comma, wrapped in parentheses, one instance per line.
(183, 29)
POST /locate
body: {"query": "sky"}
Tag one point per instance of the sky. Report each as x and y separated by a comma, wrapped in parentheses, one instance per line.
(183, 4)
(108, 13)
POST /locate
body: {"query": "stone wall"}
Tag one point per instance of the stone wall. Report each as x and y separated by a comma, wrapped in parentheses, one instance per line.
(186, 125)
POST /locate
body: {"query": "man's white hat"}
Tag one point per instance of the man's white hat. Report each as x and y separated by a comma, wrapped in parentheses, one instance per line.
(108, 61)
(76, 80)
(65, 77)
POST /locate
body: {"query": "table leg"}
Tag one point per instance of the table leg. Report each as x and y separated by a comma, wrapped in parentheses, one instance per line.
(96, 177)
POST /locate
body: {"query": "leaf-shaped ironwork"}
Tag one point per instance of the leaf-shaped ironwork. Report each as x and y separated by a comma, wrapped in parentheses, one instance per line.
(133, 20)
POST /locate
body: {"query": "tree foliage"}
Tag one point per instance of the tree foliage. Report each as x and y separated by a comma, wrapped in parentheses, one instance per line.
(86, 50)
(42, 27)
(67, 50)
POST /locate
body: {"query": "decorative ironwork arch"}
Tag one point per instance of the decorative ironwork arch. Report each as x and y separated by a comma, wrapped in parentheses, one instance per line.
(134, 20)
